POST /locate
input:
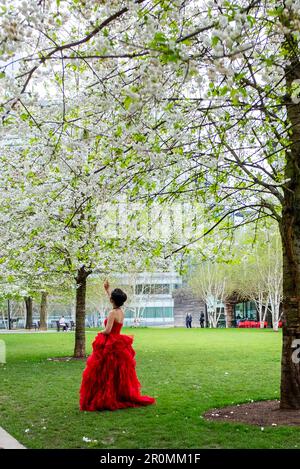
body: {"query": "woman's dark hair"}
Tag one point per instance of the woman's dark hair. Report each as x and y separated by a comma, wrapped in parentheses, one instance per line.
(118, 296)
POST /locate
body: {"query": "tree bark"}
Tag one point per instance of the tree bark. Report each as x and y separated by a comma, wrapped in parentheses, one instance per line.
(290, 371)
(44, 311)
(28, 303)
(229, 313)
(290, 234)
(9, 321)
(79, 349)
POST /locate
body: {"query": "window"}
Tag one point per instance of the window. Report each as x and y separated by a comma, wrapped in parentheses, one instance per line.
(155, 289)
(246, 310)
(161, 289)
(129, 313)
(158, 312)
(152, 312)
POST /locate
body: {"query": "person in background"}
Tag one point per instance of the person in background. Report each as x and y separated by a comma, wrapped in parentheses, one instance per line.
(190, 321)
(187, 319)
(201, 319)
(62, 323)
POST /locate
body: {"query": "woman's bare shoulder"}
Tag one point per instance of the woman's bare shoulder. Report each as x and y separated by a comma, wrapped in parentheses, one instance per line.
(118, 315)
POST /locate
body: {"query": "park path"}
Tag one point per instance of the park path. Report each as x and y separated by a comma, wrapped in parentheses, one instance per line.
(8, 442)
(25, 331)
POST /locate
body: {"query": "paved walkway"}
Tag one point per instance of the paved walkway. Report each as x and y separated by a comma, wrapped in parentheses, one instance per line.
(8, 442)
(26, 331)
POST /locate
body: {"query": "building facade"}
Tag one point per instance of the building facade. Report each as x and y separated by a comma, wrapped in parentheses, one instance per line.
(152, 301)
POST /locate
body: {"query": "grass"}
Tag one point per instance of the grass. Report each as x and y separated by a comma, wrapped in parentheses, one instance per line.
(188, 371)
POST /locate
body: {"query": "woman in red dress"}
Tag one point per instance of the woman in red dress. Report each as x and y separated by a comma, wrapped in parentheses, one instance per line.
(109, 380)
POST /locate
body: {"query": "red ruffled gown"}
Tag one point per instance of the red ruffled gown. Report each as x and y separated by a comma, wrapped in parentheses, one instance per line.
(109, 380)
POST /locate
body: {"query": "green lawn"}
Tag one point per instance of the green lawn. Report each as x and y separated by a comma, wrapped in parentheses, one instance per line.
(188, 371)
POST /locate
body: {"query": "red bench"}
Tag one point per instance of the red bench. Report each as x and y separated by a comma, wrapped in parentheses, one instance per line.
(252, 324)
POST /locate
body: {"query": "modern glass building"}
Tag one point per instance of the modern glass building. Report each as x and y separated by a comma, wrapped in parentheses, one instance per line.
(245, 310)
(151, 302)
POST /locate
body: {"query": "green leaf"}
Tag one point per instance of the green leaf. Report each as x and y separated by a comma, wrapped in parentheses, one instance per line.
(215, 40)
(160, 37)
(127, 102)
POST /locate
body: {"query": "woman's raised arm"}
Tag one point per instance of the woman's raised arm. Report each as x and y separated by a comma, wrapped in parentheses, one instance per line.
(107, 287)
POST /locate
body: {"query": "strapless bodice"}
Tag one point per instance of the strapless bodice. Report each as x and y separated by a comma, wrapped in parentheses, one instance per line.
(117, 326)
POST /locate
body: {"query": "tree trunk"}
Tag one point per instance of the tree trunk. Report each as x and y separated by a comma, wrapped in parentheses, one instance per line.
(214, 321)
(290, 234)
(79, 350)
(28, 303)
(44, 311)
(9, 321)
(229, 313)
(290, 371)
